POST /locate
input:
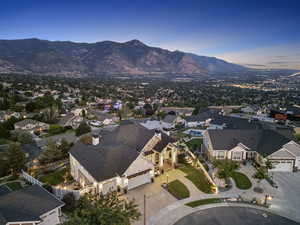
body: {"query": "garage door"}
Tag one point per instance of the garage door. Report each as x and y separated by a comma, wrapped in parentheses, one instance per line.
(109, 186)
(282, 166)
(135, 181)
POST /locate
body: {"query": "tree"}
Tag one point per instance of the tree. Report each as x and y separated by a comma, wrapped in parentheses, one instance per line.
(30, 107)
(4, 132)
(83, 113)
(269, 164)
(104, 210)
(55, 129)
(4, 167)
(161, 115)
(70, 202)
(25, 138)
(148, 109)
(15, 158)
(51, 154)
(82, 129)
(64, 146)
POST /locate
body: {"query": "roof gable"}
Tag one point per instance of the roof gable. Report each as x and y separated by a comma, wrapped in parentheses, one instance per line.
(27, 204)
(116, 151)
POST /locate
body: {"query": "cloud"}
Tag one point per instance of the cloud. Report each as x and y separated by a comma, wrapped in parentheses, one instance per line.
(268, 56)
(280, 56)
(277, 63)
(254, 65)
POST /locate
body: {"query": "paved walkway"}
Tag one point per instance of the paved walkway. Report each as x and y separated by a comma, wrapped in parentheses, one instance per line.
(179, 175)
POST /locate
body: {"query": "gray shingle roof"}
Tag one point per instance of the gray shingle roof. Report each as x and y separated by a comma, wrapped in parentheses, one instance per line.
(170, 118)
(116, 151)
(262, 141)
(235, 122)
(203, 115)
(27, 204)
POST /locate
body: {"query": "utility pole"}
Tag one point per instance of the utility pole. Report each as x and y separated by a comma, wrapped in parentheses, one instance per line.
(144, 209)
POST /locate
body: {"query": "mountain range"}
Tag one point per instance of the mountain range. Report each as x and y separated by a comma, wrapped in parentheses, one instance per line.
(103, 58)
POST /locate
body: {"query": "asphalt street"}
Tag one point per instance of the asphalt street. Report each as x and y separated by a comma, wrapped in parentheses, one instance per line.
(234, 215)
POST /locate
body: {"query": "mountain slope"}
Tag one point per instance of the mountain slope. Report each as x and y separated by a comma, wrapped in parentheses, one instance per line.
(107, 57)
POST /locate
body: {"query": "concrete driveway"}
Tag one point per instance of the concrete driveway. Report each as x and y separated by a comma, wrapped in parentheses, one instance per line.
(156, 199)
(287, 199)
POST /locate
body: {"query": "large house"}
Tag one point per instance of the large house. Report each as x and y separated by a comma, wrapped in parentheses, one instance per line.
(203, 118)
(31, 125)
(122, 158)
(30, 206)
(255, 144)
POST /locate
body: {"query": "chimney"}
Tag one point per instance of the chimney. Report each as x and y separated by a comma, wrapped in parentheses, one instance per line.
(158, 133)
(95, 139)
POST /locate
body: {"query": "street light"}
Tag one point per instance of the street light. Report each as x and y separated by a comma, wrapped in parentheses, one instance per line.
(167, 179)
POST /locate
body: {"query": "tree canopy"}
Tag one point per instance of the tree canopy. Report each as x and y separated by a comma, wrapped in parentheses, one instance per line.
(104, 210)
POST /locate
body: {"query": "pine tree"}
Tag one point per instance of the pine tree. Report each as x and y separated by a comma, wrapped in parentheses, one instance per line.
(15, 158)
(51, 154)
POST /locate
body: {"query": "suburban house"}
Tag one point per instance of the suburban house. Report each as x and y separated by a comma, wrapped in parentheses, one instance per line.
(30, 206)
(230, 122)
(203, 118)
(287, 158)
(255, 144)
(122, 158)
(184, 111)
(250, 109)
(31, 125)
(289, 113)
(79, 111)
(173, 120)
(156, 125)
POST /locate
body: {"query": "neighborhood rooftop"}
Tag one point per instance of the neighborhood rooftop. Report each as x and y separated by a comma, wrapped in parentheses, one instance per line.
(116, 151)
(263, 141)
(27, 204)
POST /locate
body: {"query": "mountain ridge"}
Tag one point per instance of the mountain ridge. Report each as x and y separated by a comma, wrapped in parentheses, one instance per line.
(103, 58)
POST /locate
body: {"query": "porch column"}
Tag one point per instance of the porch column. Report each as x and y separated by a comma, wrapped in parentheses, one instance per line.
(161, 160)
(174, 156)
(244, 155)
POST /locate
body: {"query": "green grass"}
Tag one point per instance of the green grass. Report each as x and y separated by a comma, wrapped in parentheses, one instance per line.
(197, 177)
(54, 178)
(178, 189)
(241, 180)
(194, 144)
(3, 141)
(203, 202)
(14, 186)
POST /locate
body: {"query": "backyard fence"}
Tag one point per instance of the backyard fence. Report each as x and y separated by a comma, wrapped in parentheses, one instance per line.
(60, 192)
(31, 179)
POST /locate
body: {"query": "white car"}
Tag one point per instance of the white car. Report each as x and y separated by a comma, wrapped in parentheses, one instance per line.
(95, 123)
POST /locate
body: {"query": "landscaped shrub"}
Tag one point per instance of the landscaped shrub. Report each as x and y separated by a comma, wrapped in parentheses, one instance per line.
(70, 202)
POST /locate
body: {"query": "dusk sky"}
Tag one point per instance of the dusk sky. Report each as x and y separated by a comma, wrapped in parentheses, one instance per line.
(256, 33)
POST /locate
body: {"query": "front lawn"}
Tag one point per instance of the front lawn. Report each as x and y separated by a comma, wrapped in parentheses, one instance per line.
(14, 186)
(198, 178)
(178, 189)
(194, 144)
(203, 202)
(241, 180)
(54, 178)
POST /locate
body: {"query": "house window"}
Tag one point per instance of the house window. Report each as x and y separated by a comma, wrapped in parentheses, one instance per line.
(220, 154)
(237, 156)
